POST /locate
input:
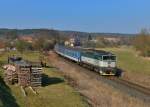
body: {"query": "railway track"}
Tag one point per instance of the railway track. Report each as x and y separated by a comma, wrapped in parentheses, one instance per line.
(119, 84)
(137, 87)
(131, 88)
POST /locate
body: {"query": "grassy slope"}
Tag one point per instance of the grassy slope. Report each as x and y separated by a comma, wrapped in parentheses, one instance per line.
(129, 61)
(54, 93)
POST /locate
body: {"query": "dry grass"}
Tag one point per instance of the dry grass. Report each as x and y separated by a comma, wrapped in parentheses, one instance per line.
(55, 92)
(98, 93)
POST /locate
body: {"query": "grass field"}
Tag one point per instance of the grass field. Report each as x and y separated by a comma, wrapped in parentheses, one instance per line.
(128, 60)
(55, 92)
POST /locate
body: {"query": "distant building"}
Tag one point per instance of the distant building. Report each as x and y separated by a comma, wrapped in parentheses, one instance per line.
(26, 38)
(112, 39)
(73, 42)
(94, 40)
(70, 42)
(67, 43)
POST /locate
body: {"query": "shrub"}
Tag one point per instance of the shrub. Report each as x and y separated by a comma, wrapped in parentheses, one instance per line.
(142, 43)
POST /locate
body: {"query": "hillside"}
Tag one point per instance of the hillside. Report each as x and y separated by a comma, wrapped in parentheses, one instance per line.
(65, 33)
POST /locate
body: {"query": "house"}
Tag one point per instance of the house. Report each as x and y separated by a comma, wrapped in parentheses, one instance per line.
(112, 39)
(26, 38)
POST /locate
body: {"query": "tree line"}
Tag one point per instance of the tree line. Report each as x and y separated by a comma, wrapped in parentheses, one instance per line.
(44, 40)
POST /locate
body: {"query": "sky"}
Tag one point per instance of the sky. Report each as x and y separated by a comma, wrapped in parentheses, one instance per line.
(113, 16)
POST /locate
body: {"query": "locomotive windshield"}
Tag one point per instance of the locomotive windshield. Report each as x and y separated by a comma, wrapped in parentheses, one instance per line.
(109, 58)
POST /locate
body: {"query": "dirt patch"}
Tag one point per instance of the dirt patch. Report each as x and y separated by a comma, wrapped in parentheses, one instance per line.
(97, 93)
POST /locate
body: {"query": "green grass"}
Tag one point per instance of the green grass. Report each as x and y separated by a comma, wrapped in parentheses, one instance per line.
(55, 92)
(128, 60)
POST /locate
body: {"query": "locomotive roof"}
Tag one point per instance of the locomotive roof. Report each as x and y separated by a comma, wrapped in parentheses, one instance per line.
(99, 52)
(72, 48)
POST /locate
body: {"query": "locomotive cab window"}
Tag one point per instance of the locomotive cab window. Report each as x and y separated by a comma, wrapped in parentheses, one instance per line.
(109, 58)
(98, 57)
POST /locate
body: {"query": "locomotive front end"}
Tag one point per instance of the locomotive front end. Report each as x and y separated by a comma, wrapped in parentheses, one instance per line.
(108, 65)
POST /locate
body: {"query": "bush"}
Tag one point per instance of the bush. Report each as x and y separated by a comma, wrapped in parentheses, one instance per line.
(142, 43)
(23, 45)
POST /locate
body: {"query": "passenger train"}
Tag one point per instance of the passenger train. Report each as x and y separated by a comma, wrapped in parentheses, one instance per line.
(101, 61)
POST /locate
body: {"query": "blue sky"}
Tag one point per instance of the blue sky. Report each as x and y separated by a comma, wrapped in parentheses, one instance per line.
(119, 16)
